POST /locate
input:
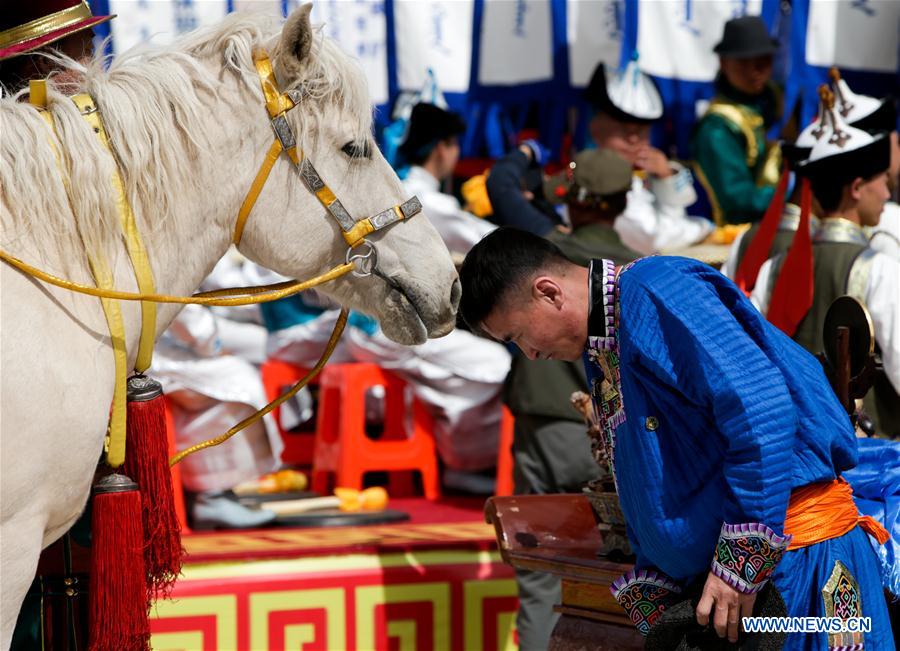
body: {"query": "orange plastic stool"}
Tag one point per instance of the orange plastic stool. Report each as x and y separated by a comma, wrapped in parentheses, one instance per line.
(277, 376)
(177, 486)
(343, 449)
(503, 484)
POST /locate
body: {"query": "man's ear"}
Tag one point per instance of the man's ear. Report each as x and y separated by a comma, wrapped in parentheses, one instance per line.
(855, 188)
(544, 288)
(293, 49)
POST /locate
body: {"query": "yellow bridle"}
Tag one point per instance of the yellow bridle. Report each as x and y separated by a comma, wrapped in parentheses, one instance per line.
(354, 232)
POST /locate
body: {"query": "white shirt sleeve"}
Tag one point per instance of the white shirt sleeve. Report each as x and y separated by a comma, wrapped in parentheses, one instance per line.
(730, 268)
(760, 295)
(886, 236)
(460, 229)
(677, 190)
(648, 225)
(883, 303)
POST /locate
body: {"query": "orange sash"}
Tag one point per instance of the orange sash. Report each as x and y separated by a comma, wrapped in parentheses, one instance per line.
(826, 510)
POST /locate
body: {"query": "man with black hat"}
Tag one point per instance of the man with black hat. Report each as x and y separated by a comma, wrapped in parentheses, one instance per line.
(432, 149)
(626, 103)
(733, 161)
(551, 453)
(29, 28)
(847, 170)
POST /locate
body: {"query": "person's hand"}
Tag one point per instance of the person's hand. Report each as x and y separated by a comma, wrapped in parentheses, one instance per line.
(725, 605)
(534, 150)
(653, 161)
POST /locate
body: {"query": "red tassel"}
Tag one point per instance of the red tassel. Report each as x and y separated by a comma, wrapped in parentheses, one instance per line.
(792, 296)
(147, 462)
(118, 594)
(758, 250)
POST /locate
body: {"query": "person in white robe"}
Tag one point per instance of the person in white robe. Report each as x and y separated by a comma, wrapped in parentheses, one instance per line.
(847, 170)
(210, 389)
(655, 219)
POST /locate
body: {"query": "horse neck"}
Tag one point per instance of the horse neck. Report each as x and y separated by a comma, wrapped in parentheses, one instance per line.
(185, 252)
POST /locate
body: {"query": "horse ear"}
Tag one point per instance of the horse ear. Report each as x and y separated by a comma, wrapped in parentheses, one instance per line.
(295, 44)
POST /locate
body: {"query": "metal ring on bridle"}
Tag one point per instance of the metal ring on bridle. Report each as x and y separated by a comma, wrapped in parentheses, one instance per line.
(364, 262)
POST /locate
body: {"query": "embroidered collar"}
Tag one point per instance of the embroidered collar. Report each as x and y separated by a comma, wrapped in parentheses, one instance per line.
(838, 229)
(602, 314)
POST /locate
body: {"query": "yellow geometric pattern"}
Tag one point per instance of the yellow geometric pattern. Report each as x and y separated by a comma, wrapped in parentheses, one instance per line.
(223, 608)
(368, 597)
(474, 595)
(352, 602)
(331, 600)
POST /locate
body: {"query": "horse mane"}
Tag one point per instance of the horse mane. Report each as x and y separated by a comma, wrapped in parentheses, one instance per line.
(150, 102)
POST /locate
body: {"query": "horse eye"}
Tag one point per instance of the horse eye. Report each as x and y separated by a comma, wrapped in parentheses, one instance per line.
(357, 150)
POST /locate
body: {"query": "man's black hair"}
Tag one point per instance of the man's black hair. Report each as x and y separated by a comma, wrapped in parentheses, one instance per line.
(500, 262)
(829, 191)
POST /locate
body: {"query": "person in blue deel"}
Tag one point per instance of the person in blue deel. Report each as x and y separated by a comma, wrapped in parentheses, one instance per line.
(725, 439)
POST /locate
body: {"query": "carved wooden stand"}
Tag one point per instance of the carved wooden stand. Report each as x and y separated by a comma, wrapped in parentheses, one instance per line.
(558, 534)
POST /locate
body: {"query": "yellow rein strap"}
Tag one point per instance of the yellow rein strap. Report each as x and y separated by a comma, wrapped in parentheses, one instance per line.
(247, 295)
(329, 348)
(133, 241)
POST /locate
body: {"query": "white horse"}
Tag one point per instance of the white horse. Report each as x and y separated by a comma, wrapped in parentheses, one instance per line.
(189, 130)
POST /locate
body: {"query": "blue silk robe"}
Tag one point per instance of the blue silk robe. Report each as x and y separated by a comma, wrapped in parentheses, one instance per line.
(713, 417)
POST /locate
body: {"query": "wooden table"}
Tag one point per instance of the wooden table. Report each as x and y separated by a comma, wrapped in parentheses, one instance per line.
(558, 534)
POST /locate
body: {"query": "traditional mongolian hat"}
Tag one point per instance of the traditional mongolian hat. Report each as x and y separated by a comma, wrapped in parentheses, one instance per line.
(628, 95)
(793, 154)
(798, 151)
(861, 111)
(746, 37)
(429, 124)
(677, 629)
(842, 153)
(32, 24)
(594, 175)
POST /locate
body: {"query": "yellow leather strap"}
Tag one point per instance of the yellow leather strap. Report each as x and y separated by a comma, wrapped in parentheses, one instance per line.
(250, 200)
(133, 241)
(357, 234)
(329, 349)
(276, 101)
(242, 295)
(115, 442)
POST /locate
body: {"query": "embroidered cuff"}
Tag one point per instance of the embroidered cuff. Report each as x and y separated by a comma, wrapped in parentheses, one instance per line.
(675, 191)
(746, 555)
(644, 594)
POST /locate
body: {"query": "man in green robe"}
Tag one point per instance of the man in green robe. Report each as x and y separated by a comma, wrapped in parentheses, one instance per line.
(736, 165)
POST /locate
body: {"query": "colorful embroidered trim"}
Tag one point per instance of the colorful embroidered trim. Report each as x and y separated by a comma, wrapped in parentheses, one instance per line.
(842, 599)
(602, 318)
(603, 354)
(746, 555)
(644, 595)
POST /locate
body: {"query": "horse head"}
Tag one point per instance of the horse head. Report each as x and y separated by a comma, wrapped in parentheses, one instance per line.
(414, 290)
